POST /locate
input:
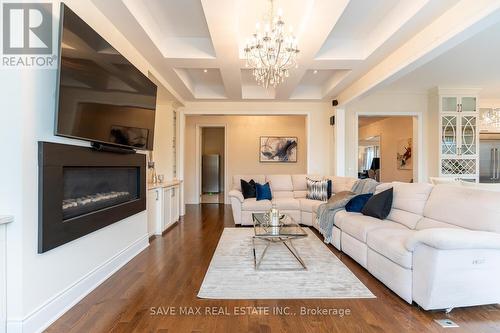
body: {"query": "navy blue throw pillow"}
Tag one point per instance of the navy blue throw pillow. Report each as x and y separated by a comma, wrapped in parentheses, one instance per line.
(329, 188)
(263, 191)
(357, 203)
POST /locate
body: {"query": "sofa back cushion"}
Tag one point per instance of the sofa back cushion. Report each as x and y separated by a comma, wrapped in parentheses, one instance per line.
(464, 207)
(281, 185)
(340, 184)
(481, 186)
(299, 181)
(427, 223)
(261, 179)
(408, 202)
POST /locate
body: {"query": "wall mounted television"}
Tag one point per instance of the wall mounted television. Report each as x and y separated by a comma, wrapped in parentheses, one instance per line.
(101, 96)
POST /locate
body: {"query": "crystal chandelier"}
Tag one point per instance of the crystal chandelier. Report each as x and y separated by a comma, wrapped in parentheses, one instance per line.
(271, 53)
(490, 118)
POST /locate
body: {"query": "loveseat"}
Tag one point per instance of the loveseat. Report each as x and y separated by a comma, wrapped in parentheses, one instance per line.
(289, 196)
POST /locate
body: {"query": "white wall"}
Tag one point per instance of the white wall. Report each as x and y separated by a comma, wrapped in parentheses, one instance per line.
(40, 286)
(243, 134)
(385, 103)
(319, 131)
(163, 152)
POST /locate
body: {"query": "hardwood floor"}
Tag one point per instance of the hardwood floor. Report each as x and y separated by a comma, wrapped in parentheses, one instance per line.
(170, 272)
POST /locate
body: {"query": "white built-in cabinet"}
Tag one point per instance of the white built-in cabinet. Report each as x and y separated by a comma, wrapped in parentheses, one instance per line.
(163, 207)
(459, 136)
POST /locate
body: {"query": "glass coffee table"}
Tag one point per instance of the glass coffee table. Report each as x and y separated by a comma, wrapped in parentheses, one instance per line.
(285, 233)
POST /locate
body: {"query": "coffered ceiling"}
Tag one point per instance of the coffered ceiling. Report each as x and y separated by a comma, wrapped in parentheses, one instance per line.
(196, 45)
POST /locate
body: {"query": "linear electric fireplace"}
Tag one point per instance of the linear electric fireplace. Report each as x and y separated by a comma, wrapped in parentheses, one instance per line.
(82, 190)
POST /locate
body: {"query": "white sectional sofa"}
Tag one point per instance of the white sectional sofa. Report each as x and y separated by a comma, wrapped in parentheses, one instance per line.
(439, 246)
(289, 196)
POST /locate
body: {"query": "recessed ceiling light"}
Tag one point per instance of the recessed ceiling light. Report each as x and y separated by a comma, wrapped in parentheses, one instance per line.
(315, 71)
(205, 70)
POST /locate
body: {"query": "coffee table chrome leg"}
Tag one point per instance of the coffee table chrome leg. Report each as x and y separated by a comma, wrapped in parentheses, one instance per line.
(258, 262)
(254, 256)
(294, 251)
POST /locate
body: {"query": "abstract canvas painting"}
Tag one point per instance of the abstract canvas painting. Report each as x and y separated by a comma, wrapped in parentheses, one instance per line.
(278, 149)
(404, 159)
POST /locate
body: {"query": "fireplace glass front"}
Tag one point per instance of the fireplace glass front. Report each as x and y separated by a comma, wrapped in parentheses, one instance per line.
(90, 189)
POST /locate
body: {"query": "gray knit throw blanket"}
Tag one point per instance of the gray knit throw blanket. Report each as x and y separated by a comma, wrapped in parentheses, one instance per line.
(326, 212)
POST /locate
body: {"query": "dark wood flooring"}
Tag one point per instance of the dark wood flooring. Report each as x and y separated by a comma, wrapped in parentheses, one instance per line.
(170, 272)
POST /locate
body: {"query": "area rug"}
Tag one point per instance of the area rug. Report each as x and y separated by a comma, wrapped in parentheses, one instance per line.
(231, 274)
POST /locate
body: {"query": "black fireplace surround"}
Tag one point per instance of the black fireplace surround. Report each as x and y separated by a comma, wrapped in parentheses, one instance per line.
(82, 190)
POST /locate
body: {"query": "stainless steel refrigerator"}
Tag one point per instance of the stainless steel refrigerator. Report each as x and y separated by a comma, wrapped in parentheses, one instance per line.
(489, 158)
(210, 174)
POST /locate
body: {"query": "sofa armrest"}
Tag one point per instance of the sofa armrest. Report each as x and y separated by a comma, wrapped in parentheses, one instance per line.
(236, 194)
(453, 239)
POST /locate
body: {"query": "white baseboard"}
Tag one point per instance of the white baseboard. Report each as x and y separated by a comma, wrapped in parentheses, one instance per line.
(49, 312)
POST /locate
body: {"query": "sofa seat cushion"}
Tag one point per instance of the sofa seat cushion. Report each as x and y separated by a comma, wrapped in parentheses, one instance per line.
(308, 205)
(341, 216)
(287, 203)
(389, 242)
(258, 206)
(358, 225)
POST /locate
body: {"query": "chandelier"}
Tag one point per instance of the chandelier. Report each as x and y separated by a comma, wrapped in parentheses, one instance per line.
(271, 53)
(490, 118)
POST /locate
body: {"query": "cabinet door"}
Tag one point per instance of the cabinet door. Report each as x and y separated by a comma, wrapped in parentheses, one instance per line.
(449, 135)
(468, 104)
(153, 201)
(175, 203)
(449, 104)
(167, 208)
(468, 135)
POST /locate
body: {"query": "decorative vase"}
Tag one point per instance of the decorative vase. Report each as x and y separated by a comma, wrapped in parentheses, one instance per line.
(274, 220)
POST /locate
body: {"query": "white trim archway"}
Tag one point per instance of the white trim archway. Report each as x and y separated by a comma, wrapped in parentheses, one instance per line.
(418, 176)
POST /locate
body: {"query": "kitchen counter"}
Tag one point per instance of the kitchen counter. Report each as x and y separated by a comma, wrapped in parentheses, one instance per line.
(168, 183)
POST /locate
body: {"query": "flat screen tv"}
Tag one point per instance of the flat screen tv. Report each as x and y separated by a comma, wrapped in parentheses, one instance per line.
(101, 96)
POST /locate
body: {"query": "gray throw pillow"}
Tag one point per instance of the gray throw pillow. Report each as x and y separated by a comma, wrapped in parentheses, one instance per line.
(317, 189)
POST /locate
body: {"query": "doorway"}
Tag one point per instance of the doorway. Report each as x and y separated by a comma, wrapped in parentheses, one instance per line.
(212, 164)
(386, 148)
